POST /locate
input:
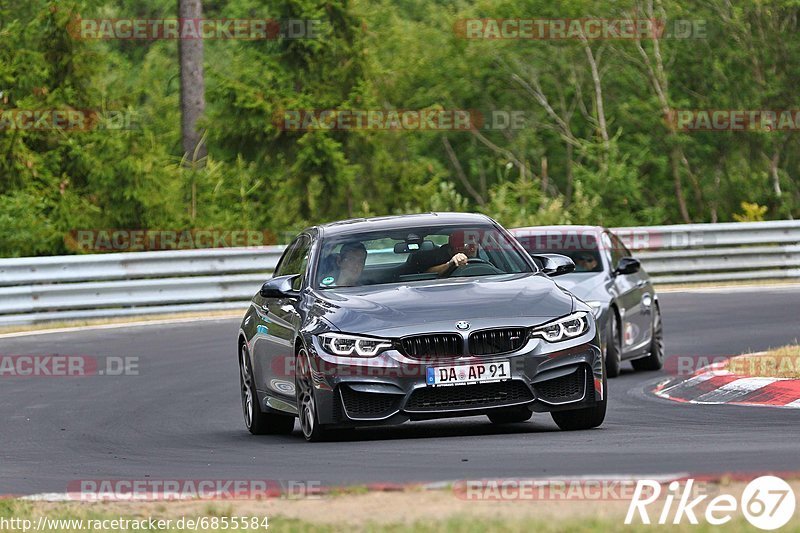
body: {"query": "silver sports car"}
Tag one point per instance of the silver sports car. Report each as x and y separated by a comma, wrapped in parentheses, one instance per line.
(613, 283)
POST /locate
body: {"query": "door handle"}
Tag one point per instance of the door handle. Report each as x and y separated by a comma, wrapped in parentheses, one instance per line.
(641, 284)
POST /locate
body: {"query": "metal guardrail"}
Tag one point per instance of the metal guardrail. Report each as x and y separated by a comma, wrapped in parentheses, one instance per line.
(736, 251)
(43, 289)
(38, 289)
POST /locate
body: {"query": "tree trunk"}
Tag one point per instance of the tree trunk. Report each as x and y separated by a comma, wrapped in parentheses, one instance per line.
(193, 103)
(570, 176)
(676, 178)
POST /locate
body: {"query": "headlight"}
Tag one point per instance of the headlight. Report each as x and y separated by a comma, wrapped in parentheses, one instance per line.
(568, 327)
(596, 308)
(344, 345)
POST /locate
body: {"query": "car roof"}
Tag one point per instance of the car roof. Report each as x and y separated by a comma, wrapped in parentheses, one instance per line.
(359, 225)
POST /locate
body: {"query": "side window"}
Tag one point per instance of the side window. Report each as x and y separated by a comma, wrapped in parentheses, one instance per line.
(295, 260)
(618, 250)
(303, 253)
(287, 258)
(622, 246)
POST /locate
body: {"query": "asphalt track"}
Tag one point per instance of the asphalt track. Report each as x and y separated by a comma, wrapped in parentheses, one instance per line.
(180, 418)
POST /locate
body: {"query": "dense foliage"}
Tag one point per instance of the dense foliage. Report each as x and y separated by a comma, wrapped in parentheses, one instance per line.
(596, 147)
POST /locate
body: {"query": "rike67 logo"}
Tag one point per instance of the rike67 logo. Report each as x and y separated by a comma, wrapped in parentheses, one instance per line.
(767, 502)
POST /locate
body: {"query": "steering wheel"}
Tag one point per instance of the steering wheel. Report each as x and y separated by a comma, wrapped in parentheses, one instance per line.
(472, 261)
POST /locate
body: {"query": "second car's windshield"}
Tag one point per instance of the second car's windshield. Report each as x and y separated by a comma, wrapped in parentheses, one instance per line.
(582, 248)
(412, 254)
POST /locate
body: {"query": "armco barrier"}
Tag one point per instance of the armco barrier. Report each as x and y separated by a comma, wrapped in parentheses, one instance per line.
(690, 253)
(38, 289)
(43, 289)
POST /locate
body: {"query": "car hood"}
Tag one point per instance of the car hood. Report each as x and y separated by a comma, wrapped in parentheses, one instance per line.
(581, 284)
(376, 308)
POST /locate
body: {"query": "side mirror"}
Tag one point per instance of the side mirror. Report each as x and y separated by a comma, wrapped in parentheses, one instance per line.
(627, 265)
(280, 287)
(555, 264)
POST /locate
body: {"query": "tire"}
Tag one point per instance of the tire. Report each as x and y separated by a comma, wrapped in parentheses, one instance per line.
(257, 421)
(612, 345)
(312, 430)
(585, 418)
(655, 360)
(510, 416)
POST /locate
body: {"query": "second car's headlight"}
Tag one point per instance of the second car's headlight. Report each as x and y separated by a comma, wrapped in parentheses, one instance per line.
(345, 345)
(565, 328)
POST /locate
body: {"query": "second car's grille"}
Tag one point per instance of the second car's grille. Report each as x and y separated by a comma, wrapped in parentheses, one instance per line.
(497, 341)
(436, 345)
(563, 389)
(468, 396)
(368, 404)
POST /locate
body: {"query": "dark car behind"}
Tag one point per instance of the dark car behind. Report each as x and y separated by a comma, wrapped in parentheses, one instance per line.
(613, 283)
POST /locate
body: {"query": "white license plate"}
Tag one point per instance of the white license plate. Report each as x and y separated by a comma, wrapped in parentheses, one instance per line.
(466, 374)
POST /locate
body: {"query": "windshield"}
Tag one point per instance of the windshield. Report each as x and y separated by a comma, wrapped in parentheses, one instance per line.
(412, 254)
(579, 246)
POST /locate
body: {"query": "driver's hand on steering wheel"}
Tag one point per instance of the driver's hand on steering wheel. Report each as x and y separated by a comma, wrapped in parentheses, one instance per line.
(459, 260)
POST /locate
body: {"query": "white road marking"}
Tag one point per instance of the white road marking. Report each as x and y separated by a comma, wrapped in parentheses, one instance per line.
(136, 324)
(734, 390)
(691, 382)
(730, 288)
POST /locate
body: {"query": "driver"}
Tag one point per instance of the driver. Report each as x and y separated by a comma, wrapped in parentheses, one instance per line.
(351, 259)
(586, 262)
(461, 247)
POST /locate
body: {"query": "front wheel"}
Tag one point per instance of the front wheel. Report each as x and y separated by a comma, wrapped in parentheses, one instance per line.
(313, 431)
(257, 421)
(655, 360)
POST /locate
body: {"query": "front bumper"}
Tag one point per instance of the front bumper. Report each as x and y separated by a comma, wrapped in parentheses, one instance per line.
(391, 388)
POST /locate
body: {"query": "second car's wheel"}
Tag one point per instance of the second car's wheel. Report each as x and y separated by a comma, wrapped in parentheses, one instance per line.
(510, 416)
(257, 421)
(585, 418)
(313, 431)
(612, 346)
(655, 360)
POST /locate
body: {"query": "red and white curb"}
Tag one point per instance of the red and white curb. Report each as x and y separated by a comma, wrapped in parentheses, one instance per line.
(714, 385)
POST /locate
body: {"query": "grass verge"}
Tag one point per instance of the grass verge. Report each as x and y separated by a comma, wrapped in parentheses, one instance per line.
(434, 511)
(783, 362)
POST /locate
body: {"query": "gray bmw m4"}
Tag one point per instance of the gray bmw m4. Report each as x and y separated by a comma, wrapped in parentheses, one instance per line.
(385, 320)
